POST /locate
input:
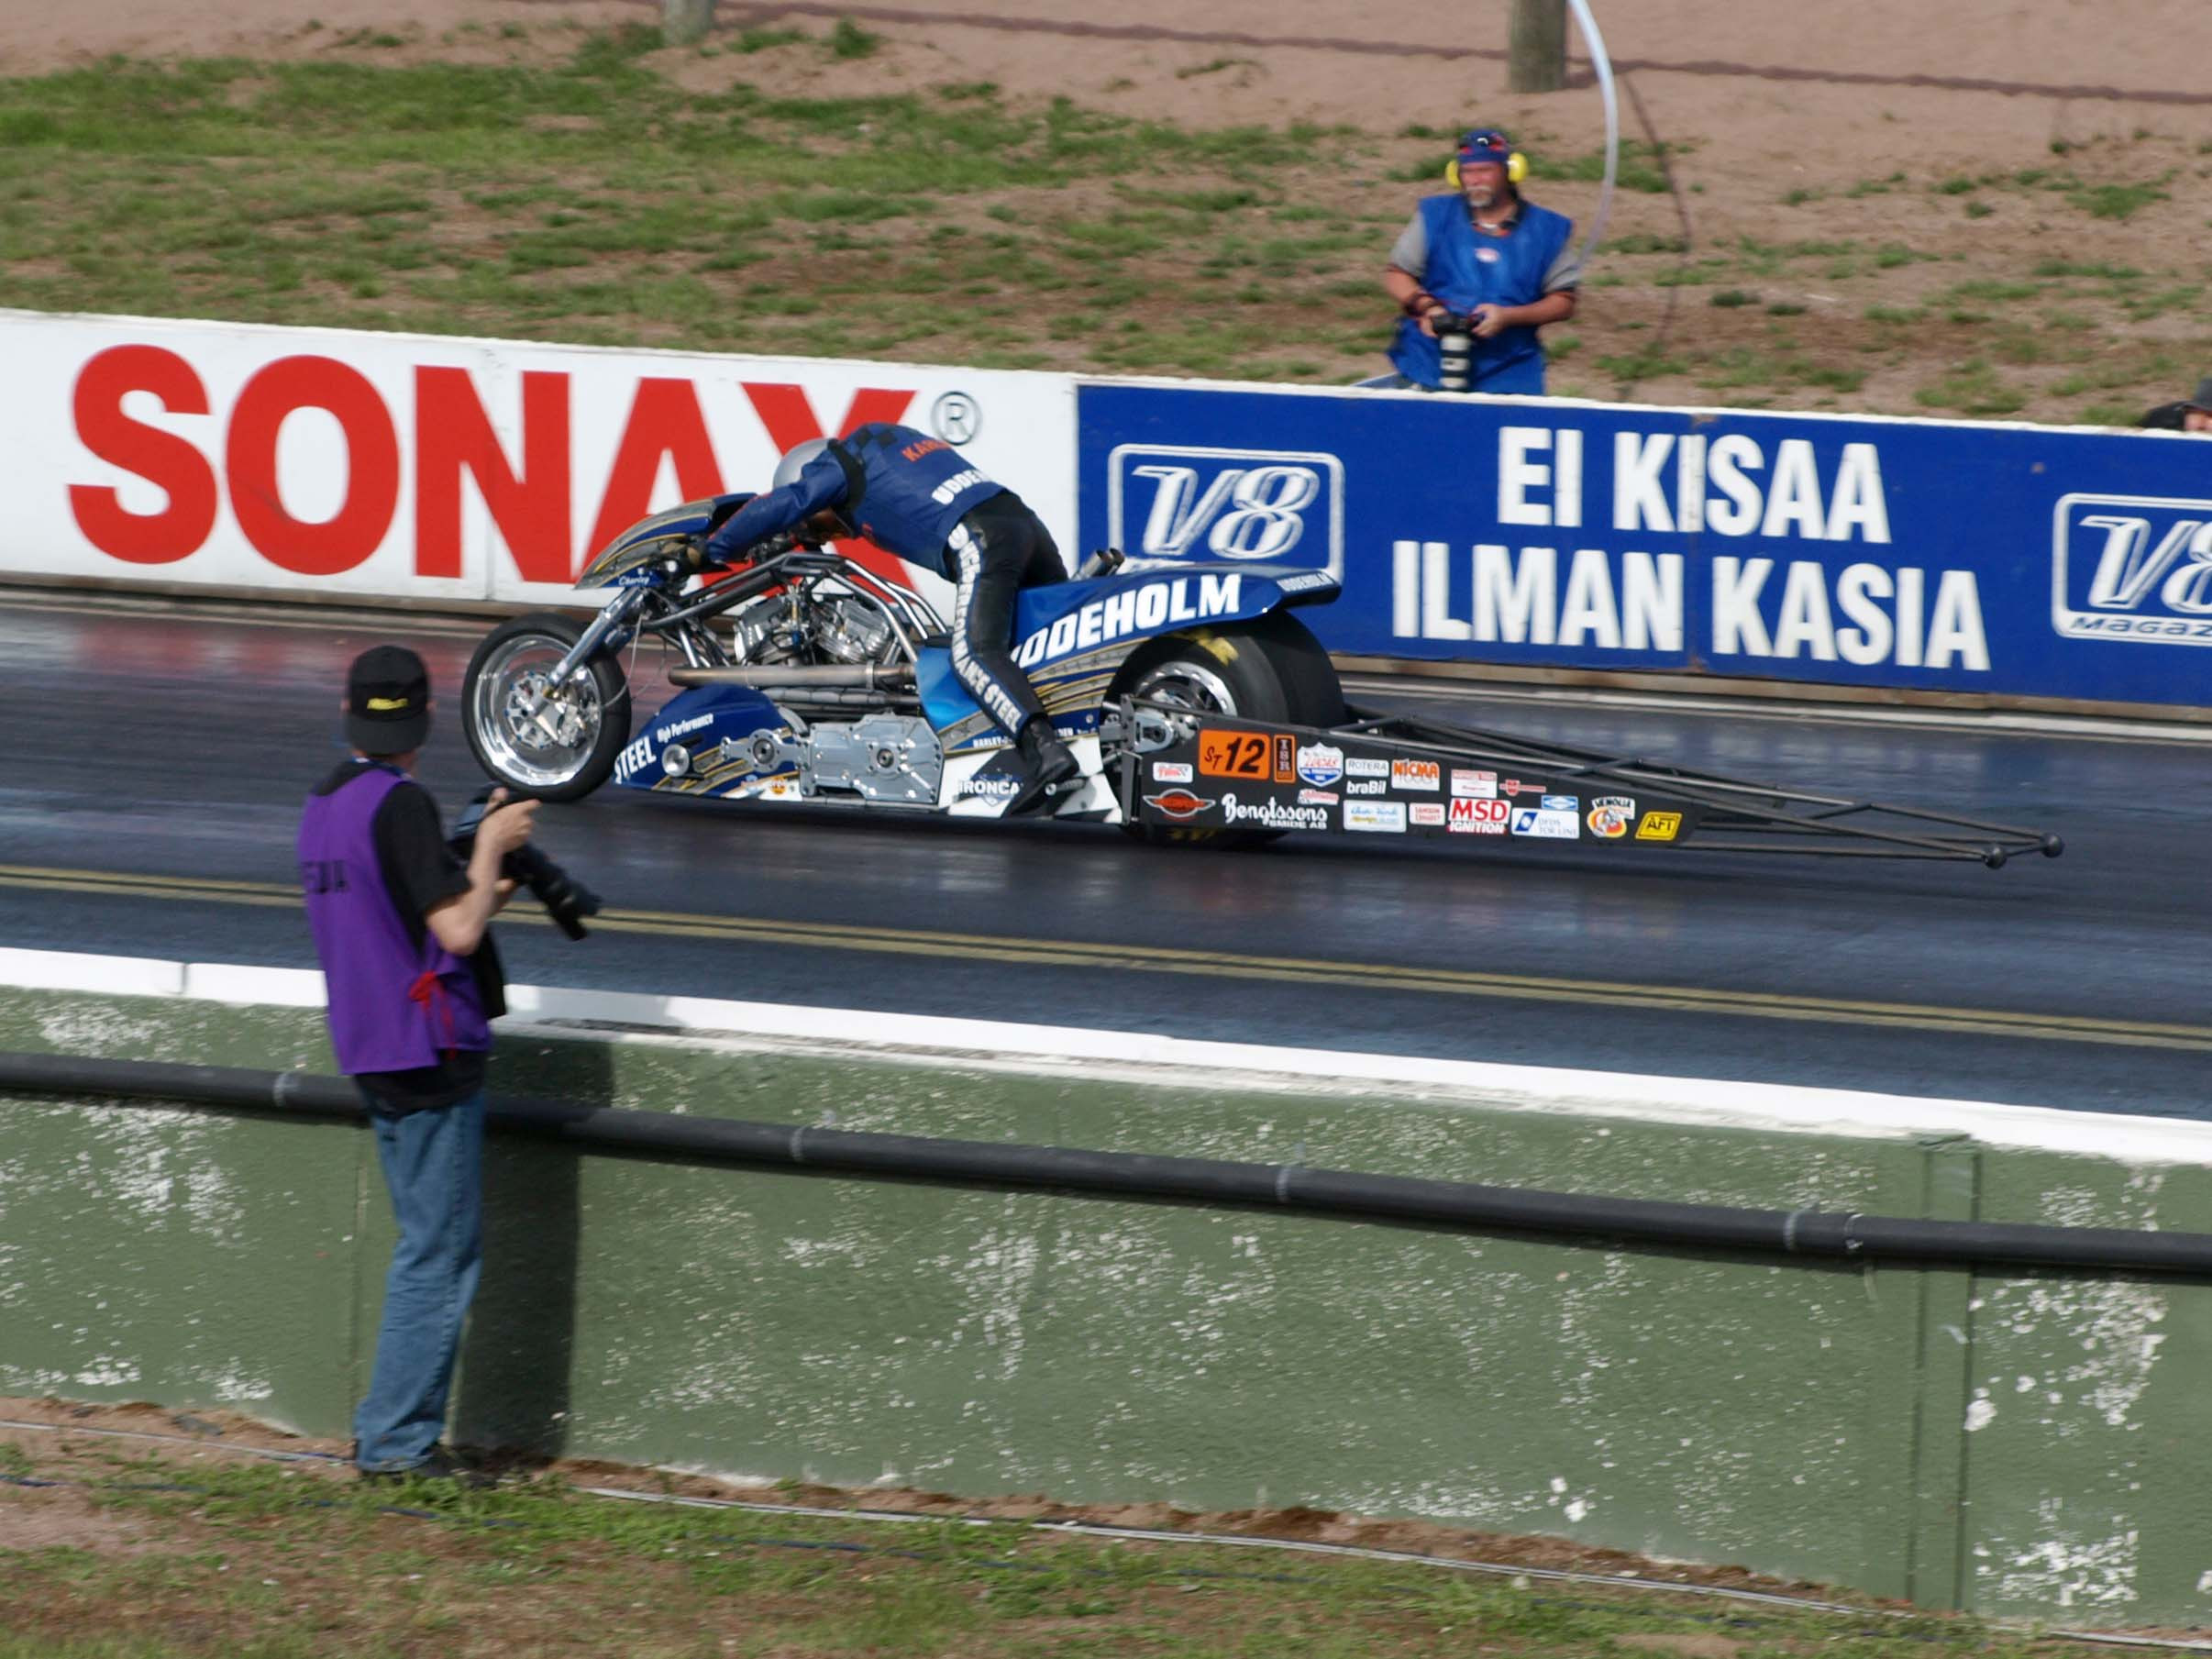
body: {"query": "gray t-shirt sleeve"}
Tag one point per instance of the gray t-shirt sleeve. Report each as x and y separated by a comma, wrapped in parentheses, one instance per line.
(1564, 273)
(1409, 253)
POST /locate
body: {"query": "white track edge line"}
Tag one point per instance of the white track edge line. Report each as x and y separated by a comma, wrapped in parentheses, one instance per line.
(1166, 1061)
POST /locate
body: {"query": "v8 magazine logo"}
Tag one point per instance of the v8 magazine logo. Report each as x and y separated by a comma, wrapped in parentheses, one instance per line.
(2133, 568)
(1167, 501)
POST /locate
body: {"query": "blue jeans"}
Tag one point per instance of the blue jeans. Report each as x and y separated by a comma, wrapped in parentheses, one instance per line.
(434, 1164)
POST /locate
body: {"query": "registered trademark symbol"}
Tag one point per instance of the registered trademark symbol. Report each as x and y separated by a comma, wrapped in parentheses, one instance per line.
(955, 417)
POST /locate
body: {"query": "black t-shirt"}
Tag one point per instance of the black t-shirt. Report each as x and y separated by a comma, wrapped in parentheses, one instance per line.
(421, 872)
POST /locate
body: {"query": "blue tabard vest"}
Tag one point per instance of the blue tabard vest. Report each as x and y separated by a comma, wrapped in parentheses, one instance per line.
(1466, 269)
(904, 489)
(395, 1005)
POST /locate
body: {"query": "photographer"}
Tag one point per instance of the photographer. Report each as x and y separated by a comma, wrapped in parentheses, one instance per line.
(1483, 256)
(2193, 414)
(413, 979)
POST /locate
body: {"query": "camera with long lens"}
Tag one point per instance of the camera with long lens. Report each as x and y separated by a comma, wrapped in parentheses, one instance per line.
(1456, 347)
(567, 899)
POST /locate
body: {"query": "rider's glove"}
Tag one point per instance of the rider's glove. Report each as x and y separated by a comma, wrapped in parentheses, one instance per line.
(696, 556)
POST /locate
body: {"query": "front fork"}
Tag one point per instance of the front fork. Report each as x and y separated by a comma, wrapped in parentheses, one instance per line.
(605, 629)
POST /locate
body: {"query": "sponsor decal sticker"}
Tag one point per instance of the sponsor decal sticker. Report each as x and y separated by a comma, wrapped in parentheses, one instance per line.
(1317, 797)
(1168, 500)
(1610, 816)
(1142, 609)
(633, 760)
(1561, 804)
(1366, 786)
(1270, 813)
(1364, 765)
(668, 733)
(1546, 825)
(1479, 786)
(1172, 771)
(1430, 814)
(1476, 817)
(1387, 816)
(1514, 786)
(1286, 751)
(1177, 804)
(1659, 826)
(2135, 569)
(1320, 764)
(1416, 775)
(986, 786)
(1236, 755)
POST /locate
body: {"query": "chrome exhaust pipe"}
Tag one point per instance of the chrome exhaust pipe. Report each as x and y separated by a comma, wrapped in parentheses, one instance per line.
(866, 676)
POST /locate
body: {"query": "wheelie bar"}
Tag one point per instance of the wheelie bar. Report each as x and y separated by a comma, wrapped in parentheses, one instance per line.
(1215, 776)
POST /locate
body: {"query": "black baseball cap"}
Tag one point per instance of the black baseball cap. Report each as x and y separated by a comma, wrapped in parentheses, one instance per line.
(387, 700)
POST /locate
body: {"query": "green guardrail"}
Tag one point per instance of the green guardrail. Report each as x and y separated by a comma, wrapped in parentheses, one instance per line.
(2014, 1440)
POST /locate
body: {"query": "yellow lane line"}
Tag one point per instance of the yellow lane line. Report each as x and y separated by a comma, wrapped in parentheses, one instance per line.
(1369, 976)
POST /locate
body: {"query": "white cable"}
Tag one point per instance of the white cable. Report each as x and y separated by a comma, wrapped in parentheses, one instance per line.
(1603, 63)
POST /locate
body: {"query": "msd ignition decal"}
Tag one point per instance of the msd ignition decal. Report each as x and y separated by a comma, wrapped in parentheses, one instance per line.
(1609, 816)
(1137, 609)
(1470, 816)
(1269, 814)
(2130, 567)
(1187, 502)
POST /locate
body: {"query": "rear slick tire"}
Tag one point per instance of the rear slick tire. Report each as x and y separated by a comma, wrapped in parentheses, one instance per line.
(1271, 669)
(591, 719)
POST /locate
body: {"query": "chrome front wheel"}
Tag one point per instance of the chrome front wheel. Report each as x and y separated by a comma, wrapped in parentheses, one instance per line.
(555, 743)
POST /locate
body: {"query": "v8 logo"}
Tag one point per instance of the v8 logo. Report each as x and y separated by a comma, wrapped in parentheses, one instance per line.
(1184, 501)
(2132, 566)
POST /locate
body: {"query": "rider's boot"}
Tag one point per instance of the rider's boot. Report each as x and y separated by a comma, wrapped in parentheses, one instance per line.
(1052, 767)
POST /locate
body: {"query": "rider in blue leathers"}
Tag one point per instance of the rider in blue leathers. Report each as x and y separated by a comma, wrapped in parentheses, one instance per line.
(916, 496)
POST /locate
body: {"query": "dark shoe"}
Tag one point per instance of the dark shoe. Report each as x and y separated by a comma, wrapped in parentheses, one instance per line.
(1052, 765)
(439, 1464)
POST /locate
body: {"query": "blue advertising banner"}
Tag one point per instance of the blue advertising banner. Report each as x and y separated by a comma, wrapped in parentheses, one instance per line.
(2008, 560)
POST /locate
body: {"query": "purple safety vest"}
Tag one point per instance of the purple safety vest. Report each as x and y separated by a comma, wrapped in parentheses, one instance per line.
(395, 1005)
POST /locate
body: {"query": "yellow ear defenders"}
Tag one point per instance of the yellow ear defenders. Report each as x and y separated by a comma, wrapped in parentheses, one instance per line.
(1516, 165)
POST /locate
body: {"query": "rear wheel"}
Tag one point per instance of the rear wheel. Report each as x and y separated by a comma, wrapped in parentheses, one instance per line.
(1270, 668)
(559, 748)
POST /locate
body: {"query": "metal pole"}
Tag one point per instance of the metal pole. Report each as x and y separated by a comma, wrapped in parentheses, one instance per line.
(1536, 48)
(685, 22)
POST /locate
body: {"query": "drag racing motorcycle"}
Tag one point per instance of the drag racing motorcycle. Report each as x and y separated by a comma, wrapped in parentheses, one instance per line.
(806, 677)
(1202, 709)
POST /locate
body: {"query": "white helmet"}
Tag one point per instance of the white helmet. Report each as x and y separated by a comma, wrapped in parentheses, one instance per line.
(794, 461)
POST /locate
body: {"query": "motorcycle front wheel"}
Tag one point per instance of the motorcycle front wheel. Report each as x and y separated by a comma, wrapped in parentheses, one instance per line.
(556, 747)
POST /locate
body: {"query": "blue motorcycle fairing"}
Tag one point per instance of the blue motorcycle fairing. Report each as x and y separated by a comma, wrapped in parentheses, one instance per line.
(1071, 637)
(641, 543)
(701, 719)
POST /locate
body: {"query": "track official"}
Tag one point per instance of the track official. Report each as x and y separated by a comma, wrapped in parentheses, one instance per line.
(1481, 250)
(414, 980)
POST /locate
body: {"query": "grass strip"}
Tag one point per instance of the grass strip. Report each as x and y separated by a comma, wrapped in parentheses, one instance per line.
(269, 1562)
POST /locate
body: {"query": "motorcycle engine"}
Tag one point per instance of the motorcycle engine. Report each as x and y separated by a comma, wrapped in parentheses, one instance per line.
(846, 630)
(763, 632)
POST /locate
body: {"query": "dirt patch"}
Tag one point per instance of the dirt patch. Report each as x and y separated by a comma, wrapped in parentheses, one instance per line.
(1988, 209)
(91, 1437)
